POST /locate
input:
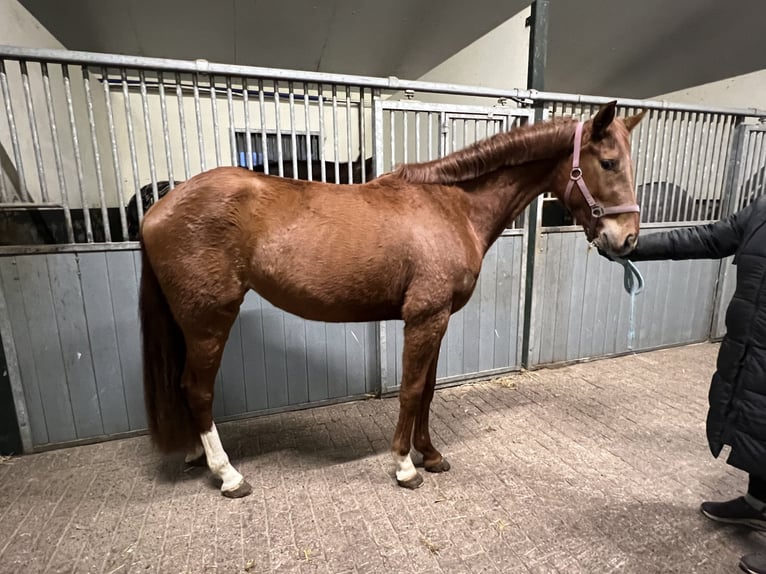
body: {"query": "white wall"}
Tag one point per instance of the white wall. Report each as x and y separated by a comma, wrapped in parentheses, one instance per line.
(745, 91)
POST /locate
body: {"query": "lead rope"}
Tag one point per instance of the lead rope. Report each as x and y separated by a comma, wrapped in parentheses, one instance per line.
(633, 282)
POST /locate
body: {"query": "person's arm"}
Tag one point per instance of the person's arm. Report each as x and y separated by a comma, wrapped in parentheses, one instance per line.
(710, 241)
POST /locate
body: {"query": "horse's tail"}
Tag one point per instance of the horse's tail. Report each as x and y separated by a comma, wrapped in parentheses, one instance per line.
(164, 353)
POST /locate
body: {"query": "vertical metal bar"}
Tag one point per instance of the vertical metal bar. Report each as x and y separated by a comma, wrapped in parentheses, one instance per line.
(216, 131)
(405, 136)
(430, 137)
(649, 215)
(77, 158)
(417, 137)
(640, 159)
(759, 180)
(307, 120)
(748, 162)
(280, 155)
(198, 116)
(349, 157)
(378, 137)
(165, 129)
(115, 155)
(704, 211)
(335, 130)
(655, 165)
(148, 129)
(132, 145)
(96, 155)
(232, 135)
(182, 121)
(57, 151)
(264, 135)
(757, 153)
(678, 177)
(392, 115)
(33, 129)
(23, 191)
(696, 149)
(293, 137)
(662, 163)
(362, 135)
(320, 101)
(248, 135)
(702, 181)
(727, 151)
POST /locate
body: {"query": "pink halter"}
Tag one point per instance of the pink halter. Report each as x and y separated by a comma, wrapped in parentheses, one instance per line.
(575, 177)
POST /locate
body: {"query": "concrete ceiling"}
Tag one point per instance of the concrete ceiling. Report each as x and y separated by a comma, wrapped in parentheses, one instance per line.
(608, 47)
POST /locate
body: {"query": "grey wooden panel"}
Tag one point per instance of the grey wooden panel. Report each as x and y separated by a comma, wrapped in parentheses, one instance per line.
(356, 351)
(506, 305)
(13, 289)
(46, 347)
(75, 344)
(297, 370)
(336, 360)
(274, 354)
(316, 353)
(102, 331)
(583, 311)
(487, 311)
(254, 362)
(124, 277)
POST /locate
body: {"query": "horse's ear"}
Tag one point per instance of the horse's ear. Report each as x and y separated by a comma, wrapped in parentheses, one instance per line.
(632, 121)
(603, 119)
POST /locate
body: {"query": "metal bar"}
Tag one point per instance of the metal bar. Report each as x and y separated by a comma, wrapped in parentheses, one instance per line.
(264, 135)
(57, 152)
(655, 165)
(389, 83)
(216, 131)
(748, 163)
(349, 158)
(392, 132)
(702, 181)
(96, 155)
(320, 101)
(378, 136)
(148, 129)
(132, 145)
(721, 163)
(24, 194)
(232, 135)
(33, 130)
(280, 155)
(182, 121)
(717, 135)
(362, 136)
(757, 153)
(248, 135)
(417, 137)
(733, 167)
(430, 136)
(77, 158)
(662, 164)
(405, 137)
(307, 120)
(198, 116)
(165, 129)
(293, 140)
(759, 180)
(335, 130)
(115, 157)
(678, 177)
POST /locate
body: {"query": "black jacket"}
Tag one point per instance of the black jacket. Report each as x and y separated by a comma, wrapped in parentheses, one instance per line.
(737, 397)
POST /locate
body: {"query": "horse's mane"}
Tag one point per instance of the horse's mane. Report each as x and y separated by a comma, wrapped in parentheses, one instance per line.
(514, 147)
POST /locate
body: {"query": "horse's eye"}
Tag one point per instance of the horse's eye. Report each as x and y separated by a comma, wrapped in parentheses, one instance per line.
(608, 164)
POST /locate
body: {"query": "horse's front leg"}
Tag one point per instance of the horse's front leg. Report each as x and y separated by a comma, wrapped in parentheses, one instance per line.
(433, 461)
(422, 337)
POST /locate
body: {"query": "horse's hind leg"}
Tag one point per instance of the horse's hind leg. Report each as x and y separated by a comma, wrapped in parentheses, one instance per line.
(205, 343)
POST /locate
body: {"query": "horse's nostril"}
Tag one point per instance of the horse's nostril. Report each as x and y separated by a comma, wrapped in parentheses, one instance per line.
(629, 241)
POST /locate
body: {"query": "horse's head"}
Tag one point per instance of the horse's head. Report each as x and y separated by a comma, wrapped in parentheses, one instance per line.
(600, 191)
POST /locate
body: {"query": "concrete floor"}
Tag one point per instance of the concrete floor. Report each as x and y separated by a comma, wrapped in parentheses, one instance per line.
(598, 467)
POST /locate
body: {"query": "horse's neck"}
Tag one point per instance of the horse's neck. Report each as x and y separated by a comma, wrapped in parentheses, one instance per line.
(500, 197)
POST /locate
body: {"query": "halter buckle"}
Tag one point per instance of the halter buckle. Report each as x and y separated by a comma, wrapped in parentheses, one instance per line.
(596, 211)
(575, 174)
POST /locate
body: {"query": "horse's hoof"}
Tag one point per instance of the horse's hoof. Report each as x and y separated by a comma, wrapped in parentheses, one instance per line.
(241, 491)
(441, 466)
(199, 461)
(412, 483)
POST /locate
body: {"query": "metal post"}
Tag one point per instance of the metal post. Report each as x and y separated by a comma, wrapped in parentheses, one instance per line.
(538, 52)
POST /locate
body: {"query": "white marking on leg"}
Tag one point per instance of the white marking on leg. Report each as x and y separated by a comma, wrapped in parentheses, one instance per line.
(198, 451)
(218, 460)
(406, 470)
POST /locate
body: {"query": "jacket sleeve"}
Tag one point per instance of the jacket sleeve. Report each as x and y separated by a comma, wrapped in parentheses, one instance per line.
(711, 241)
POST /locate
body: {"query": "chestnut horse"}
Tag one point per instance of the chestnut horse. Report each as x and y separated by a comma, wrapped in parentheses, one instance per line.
(408, 245)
